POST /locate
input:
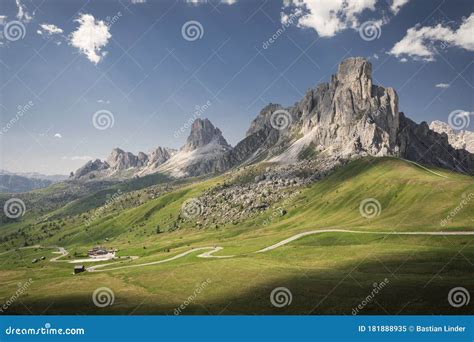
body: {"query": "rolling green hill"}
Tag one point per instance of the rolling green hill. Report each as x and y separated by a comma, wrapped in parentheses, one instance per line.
(327, 273)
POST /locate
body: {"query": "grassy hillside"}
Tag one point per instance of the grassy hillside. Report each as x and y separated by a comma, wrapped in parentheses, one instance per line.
(326, 273)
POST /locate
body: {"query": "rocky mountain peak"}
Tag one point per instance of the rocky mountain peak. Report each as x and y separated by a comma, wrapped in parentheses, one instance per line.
(458, 139)
(121, 160)
(90, 167)
(203, 133)
(160, 155)
(344, 118)
(354, 69)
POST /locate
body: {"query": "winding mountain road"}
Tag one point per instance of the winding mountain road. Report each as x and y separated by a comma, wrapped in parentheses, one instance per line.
(212, 250)
(311, 232)
(209, 251)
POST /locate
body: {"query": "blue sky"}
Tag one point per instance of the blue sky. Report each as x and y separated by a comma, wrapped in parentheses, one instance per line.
(130, 60)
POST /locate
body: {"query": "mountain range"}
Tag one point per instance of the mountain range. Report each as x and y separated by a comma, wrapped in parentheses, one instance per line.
(291, 185)
(23, 182)
(458, 139)
(345, 118)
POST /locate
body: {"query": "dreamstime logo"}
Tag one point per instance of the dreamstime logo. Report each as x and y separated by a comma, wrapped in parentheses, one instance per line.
(14, 30)
(14, 208)
(22, 287)
(459, 296)
(459, 119)
(370, 208)
(278, 211)
(370, 30)
(199, 110)
(287, 21)
(197, 291)
(192, 30)
(99, 212)
(21, 110)
(377, 287)
(280, 297)
(103, 296)
(382, 109)
(103, 119)
(280, 119)
(109, 21)
(192, 208)
(464, 202)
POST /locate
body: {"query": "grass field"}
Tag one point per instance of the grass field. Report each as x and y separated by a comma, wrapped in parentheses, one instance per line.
(329, 273)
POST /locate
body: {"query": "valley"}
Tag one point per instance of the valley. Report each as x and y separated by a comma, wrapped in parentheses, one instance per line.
(315, 207)
(326, 272)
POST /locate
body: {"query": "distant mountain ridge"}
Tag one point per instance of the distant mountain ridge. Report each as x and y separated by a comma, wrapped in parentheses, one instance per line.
(460, 140)
(345, 118)
(23, 182)
(204, 146)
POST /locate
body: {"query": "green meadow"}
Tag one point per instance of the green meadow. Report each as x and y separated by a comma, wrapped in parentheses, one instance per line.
(326, 273)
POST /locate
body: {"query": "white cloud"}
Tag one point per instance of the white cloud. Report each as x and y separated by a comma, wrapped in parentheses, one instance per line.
(58, 135)
(375, 56)
(22, 14)
(403, 60)
(397, 5)
(442, 85)
(49, 29)
(90, 37)
(138, 1)
(419, 42)
(103, 101)
(328, 17)
(2, 19)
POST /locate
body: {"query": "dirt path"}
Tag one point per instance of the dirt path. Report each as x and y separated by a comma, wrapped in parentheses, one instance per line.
(94, 268)
(62, 251)
(311, 232)
(212, 250)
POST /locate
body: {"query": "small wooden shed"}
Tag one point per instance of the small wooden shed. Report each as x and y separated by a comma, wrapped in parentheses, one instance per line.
(79, 269)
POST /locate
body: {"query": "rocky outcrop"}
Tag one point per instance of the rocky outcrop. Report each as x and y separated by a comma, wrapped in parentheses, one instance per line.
(346, 118)
(457, 139)
(122, 164)
(420, 144)
(121, 160)
(350, 115)
(90, 168)
(206, 151)
(203, 133)
(160, 155)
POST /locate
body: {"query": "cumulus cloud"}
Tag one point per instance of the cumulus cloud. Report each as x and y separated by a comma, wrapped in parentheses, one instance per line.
(138, 1)
(442, 85)
(58, 135)
(23, 14)
(397, 5)
(49, 29)
(419, 41)
(328, 17)
(90, 37)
